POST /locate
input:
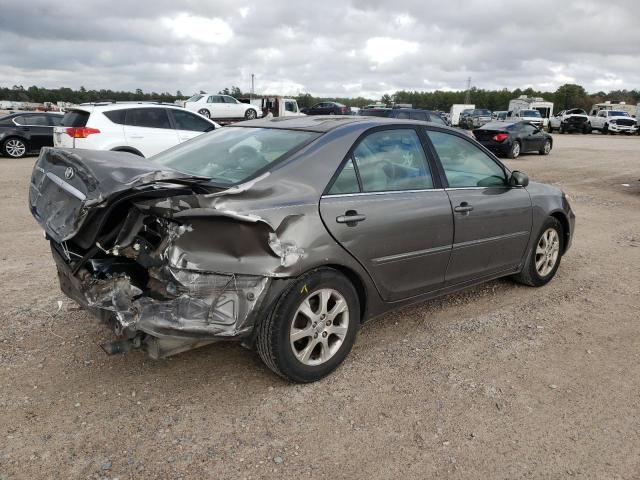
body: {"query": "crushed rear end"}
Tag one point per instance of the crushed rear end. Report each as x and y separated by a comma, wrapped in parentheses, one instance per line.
(151, 251)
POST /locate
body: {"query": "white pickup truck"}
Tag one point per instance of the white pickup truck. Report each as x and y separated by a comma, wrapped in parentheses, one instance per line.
(613, 121)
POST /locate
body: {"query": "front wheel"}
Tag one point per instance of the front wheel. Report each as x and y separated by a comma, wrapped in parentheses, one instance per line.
(546, 148)
(605, 129)
(544, 259)
(250, 114)
(204, 112)
(312, 328)
(14, 148)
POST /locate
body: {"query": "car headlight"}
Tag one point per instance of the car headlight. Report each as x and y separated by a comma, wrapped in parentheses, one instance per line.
(613, 121)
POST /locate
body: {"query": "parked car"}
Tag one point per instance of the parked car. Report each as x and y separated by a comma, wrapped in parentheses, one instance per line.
(287, 234)
(499, 115)
(404, 113)
(532, 116)
(477, 118)
(143, 129)
(613, 121)
(327, 108)
(222, 107)
(463, 118)
(23, 133)
(567, 121)
(510, 139)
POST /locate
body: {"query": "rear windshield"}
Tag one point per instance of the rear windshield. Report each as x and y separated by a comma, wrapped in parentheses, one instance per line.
(233, 154)
(75, 118)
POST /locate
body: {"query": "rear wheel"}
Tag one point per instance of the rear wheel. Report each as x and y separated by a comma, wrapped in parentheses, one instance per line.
(514, 152)
(562, 130)
(204, 112)
(14, 147)
(544, 259)
(250, 114)
(312, 328)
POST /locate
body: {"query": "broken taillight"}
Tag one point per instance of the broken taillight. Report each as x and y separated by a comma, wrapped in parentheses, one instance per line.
(500, 137)
(81, 132)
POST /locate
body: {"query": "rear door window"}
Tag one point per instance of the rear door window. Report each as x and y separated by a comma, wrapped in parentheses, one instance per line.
(55, 120)
(189, 121)
(32, 120)
(148, 117)
(116, 116)
(392, 160)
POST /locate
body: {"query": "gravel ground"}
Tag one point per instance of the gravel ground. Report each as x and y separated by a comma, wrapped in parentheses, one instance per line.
(500, 381)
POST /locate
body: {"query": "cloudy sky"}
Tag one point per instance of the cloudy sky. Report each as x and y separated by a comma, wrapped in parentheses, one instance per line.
(324, 47)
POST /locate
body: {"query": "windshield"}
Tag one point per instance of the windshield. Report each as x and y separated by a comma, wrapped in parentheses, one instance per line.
(233, 154)
(531, 113)
(617, 113)
(485, 113)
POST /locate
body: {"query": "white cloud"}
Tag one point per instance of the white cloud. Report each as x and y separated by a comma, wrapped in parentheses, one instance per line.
(200, 29)
(385, 49)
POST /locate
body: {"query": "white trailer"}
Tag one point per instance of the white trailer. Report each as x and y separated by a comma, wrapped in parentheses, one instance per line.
(532, 103)
(612, 105)
(456, 109)
(277, 106)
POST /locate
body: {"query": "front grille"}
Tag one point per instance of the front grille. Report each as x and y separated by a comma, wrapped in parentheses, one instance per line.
(576, 120)
(626, 122)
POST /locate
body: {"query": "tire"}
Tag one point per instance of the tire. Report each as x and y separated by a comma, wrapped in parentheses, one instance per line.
(532, 274)
(250, 114)
(14, 147)
(332, 113)
(286, 357)
(605, 129)
(550, 129)
(546, 147)
(562, 130)
(514, 151)
(586, 129)
(204, 112)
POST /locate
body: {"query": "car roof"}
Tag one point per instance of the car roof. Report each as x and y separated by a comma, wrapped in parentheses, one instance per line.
(326, 123)
(106, 107)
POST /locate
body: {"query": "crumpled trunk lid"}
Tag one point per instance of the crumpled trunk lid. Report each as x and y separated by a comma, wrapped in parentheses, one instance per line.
(67, 184)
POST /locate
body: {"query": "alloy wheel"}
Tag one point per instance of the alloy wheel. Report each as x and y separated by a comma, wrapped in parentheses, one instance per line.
(15, 148)
(547, 147)
(205, 113)
(515, 149)
(547, 252)
(319, 326)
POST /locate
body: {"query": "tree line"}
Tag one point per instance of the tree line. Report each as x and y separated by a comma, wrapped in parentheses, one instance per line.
(566, 96)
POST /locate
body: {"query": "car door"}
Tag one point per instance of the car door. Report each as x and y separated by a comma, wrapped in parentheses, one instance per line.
(189, 125)
(492, 221)
(235, 108)
(531, 137)
(218, 107)
(387, 209)
(37, 128)
(600, 119)
(149, 130)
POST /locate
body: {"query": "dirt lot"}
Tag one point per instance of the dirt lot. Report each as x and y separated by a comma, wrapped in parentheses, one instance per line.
(500, 381)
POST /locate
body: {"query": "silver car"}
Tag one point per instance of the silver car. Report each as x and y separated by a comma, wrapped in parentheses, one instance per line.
(287, 234)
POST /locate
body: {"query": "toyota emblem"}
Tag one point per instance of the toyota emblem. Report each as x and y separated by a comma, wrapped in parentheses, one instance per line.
(68, 173)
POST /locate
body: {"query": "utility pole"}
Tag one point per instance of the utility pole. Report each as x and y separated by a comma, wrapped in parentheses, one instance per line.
(252, 85)
(467, 97)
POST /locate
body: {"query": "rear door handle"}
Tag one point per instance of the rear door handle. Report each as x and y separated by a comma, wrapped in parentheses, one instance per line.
(351, 218)
(464, 207)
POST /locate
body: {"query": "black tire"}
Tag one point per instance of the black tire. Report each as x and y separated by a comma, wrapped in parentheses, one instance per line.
(562, 130)
(605, 129)
(332, 113)
(250, 114)
(14, 147)
(529, 274)
(514, 152)
(585, 129)
(272, 333)
(204, 112)
(550, 128)
(544, 150)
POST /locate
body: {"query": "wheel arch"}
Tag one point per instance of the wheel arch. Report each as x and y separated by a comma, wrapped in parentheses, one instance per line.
(128, 150)
(357, 283)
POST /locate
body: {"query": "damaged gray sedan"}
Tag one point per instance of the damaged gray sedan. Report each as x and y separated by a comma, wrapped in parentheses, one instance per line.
(286, 234)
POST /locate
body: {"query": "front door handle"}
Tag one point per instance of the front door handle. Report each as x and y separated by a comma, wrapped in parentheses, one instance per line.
(351, 218)
(464, 207)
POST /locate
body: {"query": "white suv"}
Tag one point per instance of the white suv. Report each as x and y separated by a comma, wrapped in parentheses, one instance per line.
(222, 107)
(140, 128)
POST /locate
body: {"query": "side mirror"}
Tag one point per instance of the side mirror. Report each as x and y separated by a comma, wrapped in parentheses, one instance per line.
(518, 179)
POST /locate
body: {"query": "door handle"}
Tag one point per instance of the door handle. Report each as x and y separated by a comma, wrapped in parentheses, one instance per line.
(351, 218)
(464, 207)
(136, 136)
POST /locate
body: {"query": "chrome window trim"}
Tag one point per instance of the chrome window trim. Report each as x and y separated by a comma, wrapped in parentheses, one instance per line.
(388, 192)
(21, 125)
